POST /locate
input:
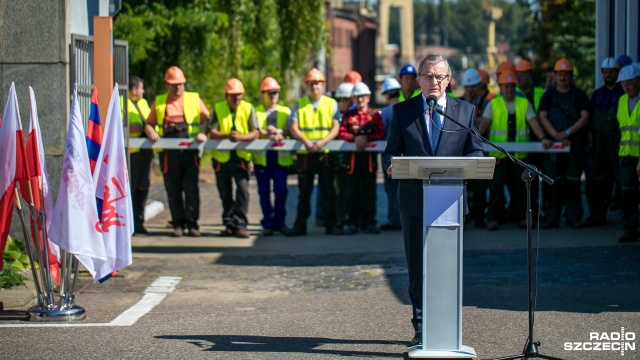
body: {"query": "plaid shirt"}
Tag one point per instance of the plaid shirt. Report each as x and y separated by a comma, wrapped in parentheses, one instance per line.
(368, 122)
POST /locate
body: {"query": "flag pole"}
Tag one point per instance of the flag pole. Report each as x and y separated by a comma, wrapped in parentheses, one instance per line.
(27, 243)
(42, 217)
(36, 236)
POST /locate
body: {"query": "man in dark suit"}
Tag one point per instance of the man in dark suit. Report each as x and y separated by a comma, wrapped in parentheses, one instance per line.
(413, 133)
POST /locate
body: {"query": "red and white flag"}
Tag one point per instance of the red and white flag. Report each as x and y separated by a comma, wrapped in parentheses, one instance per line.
(12, 165)
(39, 194)
(75, 214)
(113, 194)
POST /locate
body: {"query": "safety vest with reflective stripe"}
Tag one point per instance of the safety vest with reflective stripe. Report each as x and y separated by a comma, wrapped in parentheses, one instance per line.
(500, 126)
(416, 92)
(629, 126)
(315, 124)
(284, 157)
(190, 108)
(136, 123)
(226, 123)
(537, 95)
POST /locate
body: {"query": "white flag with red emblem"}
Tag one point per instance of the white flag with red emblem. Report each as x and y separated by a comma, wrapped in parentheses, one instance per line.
(113, 194)
(74, 219)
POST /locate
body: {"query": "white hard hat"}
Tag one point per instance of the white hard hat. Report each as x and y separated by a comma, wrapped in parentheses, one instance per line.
(361, 89)
(628, 73)
(609, 63)
(471, 77)
(390, 84)
(343, 91)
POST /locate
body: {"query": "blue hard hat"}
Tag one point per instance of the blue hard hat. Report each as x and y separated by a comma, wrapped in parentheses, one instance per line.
(624, 60)
(408, 69)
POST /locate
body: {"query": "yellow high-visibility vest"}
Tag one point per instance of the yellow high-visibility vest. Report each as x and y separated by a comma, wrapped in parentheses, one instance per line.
(190, 107)
(629, 126)
(500, 128)
(284, 157)
(226, 122)
(315, 124)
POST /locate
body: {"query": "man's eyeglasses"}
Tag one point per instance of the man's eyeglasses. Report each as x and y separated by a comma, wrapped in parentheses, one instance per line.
(274, 92)
(431, 77)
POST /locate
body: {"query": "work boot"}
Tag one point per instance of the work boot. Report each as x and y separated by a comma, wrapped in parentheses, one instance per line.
(194, 233)
(242, 233)
(177, 232)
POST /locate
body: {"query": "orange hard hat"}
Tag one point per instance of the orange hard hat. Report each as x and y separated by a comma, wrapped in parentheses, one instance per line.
(507, 77)
(505, 65)
(174, 75)
(352, 77)
(563, 65)
(314, 75)
(234, 87)
(484, 76)
(269, 84)
(523, 65)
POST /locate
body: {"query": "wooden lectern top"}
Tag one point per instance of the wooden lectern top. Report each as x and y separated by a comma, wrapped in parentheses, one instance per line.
(441, 167)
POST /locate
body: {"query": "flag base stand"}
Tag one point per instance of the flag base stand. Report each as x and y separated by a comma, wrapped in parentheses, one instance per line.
(73, 313)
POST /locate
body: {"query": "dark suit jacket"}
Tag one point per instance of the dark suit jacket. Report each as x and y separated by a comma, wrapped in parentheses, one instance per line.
(408, 137)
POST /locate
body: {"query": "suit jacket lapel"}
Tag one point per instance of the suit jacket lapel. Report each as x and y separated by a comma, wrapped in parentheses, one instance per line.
(418, 115)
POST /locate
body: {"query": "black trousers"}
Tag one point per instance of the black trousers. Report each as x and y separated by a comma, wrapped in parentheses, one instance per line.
(307, 166)
(602, 173)
(506, 173)
(234, 214)
(361, 189)
(180, 169)
(566, 170)
(139, 183)
(630, 196)
(412, 233)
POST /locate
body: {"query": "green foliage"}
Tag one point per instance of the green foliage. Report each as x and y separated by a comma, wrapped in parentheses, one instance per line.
(214, 40)
(10, 276)
(562, 28)
(15, 255)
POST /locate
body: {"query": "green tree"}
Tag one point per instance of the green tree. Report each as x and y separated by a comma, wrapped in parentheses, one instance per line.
(562, 28)
(213, 40)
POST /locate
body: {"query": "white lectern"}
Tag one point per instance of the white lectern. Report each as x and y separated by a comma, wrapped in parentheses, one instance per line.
(443, 192)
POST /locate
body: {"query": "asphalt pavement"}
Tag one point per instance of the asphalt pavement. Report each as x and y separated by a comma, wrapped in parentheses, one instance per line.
(332, 297)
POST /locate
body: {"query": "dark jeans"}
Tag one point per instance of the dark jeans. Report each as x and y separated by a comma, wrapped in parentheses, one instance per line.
(361, 190)
(506, 173)
(234, 212)
(273, 215)
(566, 170)
(630, 197)
(180, 169)
(307, 166)
(139, 183)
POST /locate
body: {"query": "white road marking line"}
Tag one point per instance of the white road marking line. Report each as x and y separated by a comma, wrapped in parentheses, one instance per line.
(154, 294)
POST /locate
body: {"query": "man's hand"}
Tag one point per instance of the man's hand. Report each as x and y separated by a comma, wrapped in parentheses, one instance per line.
(361, 142)
(200, 137)
(389, 170)
(546, 143)
(233, 136)
(151, 133)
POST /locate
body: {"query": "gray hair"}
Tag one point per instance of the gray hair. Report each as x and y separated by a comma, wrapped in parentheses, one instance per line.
(434, 59)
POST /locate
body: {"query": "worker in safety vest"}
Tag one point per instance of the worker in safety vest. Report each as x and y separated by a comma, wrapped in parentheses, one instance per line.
(180, 114)
(272, 166)
(408, 83)
(140, 159)
(313, 123)
(236, 120)
(508, 117)
(629, 154)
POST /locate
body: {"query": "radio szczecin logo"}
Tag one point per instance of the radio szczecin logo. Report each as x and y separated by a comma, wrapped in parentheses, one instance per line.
(607, 341)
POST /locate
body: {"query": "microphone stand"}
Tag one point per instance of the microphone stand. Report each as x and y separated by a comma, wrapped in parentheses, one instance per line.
(531, 348)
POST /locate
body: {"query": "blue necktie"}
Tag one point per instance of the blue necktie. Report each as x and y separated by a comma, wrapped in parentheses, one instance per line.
(435, 128)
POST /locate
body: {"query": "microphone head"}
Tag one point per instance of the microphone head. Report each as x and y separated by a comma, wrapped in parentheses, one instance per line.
(431, 100)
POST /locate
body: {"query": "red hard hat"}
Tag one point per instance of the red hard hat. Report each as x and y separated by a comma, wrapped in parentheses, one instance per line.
(234, 87)
(269, 84)
(484, 76)
(314, 75)
(507, 77)
(352, 77)
(505, 65)
(563, 65)
(174, 75)
(523, 65)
